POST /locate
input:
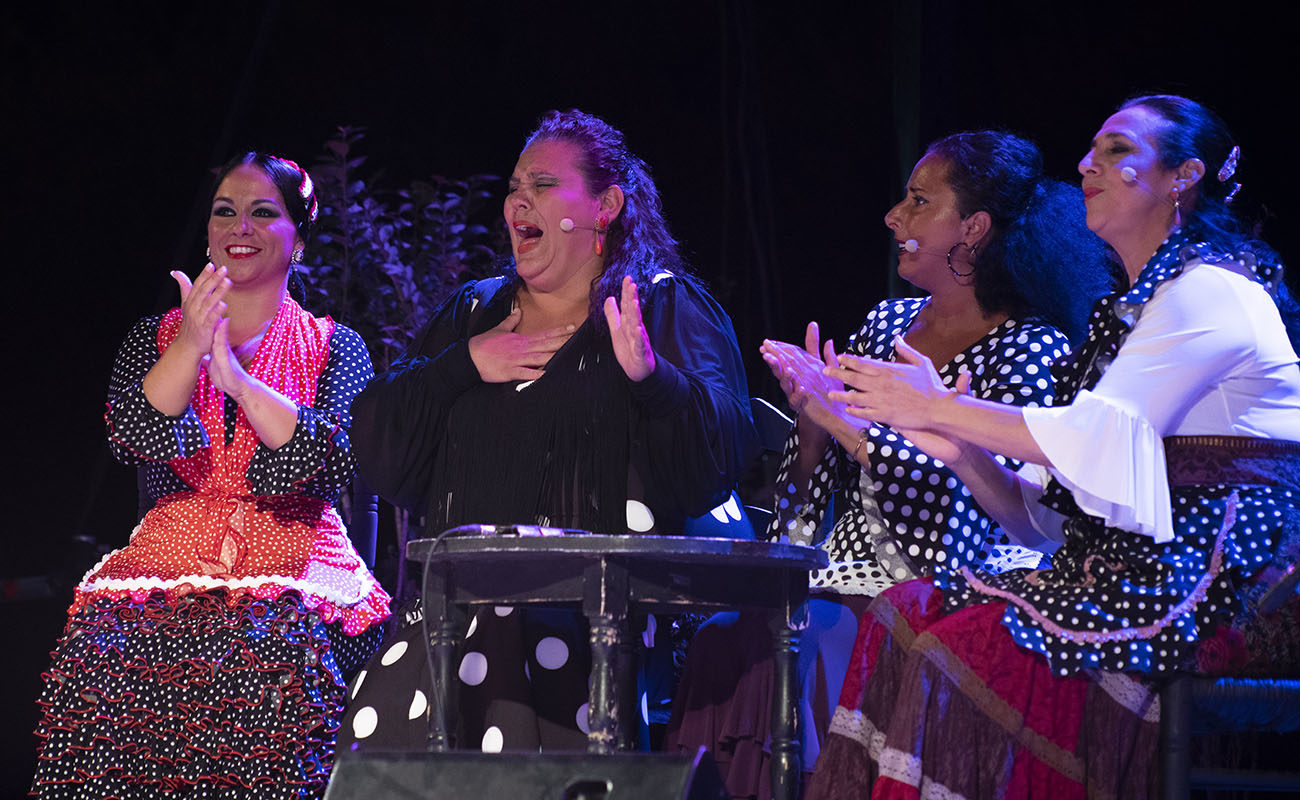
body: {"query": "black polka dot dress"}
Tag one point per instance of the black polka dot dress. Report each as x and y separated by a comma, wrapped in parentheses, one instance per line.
(906, 514)
(206, 658)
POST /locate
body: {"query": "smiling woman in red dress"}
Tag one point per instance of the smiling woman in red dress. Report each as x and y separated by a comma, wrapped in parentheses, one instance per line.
(208, 656)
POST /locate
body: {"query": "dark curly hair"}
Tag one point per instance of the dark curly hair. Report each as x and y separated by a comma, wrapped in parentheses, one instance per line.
(638, 243)
(1039, 259)
(1192, 130)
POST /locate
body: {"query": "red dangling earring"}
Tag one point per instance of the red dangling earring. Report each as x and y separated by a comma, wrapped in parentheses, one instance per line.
(602, 223)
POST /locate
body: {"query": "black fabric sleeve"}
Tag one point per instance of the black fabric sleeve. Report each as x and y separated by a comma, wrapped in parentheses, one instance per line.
(138, 433)
(693, 434)
(398, 418)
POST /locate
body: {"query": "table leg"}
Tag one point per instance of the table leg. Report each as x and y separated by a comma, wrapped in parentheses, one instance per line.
(603, 714)
(443, 630)
(626, 662)
(786, 748)
(605, 605)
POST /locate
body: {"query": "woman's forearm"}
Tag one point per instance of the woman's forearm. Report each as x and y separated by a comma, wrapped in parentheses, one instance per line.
(997, 490)
(991, 426)
(272, 415)
(813, 441)
(169, 384)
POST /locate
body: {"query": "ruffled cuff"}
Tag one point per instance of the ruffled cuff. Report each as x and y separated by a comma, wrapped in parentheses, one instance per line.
(138, 431)
(1112, 461)
(318, 447)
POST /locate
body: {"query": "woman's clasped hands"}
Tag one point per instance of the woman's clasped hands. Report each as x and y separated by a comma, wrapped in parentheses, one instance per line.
(205, 330)
(203, 305)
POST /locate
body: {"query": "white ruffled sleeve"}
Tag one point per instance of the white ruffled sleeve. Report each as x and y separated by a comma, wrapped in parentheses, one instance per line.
(1118, 474)
(1106, 447)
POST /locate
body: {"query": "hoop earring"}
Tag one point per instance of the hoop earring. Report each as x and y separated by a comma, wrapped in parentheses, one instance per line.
(296, 256)
(602, 225)
(953, 269)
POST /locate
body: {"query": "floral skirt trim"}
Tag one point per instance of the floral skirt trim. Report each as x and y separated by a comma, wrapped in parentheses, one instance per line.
(205, 694)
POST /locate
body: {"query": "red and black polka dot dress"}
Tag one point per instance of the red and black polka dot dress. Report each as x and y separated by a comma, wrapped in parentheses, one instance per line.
(206, 657)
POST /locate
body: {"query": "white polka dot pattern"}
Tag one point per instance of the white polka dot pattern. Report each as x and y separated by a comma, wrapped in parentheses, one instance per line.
(906, 514)
(210, 464)
(1118, 601)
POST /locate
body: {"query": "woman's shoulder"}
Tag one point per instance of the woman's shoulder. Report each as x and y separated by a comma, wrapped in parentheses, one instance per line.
(346, 338)
(1031, 330)
(890, 317)
(144, 329)
(679, 291)
(1025, 345)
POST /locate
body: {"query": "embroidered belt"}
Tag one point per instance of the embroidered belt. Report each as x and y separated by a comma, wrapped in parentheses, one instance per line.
(1201, 460)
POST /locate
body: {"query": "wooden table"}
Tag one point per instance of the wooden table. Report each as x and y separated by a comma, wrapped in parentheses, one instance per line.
(606, 577)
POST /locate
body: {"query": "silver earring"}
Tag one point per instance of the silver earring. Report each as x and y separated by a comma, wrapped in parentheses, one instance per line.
(207, 253)
(296, 257)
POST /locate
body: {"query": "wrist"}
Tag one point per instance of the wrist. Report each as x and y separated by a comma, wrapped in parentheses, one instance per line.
(860, 447)
(938, 411)
(244, 388)
(185, 353)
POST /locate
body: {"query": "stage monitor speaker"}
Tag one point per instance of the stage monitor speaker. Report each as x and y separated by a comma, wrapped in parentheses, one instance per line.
(524, 776)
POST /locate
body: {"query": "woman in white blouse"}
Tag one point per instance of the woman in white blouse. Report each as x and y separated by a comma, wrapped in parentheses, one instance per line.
(1168, 471)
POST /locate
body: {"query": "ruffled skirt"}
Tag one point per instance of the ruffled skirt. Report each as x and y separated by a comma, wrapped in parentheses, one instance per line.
(199, 696)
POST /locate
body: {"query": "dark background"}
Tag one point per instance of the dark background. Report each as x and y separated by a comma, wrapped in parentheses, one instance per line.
(779, 134)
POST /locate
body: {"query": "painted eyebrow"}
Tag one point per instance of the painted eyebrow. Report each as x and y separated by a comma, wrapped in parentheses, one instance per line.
(259, 201)
(1109, 135)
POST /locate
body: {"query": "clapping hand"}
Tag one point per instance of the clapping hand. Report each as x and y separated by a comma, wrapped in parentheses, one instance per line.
(807, 388)
(801, 371)
(899, 394)
(224, 369)
(203, 305)
(628, 334)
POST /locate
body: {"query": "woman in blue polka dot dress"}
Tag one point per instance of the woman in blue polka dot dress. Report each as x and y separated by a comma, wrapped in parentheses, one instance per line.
(207, 658)
(1168, 469)
(1007, 265)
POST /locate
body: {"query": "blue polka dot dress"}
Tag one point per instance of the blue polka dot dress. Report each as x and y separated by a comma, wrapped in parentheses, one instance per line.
(1116, 600)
